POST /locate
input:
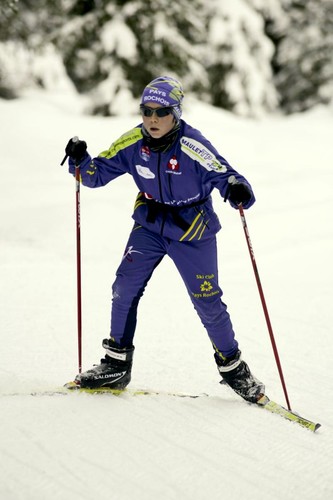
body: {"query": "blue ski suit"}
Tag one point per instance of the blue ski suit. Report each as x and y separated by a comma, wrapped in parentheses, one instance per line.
(173, 215)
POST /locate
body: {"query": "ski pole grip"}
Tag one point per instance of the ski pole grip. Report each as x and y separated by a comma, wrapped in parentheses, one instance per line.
(74, 139)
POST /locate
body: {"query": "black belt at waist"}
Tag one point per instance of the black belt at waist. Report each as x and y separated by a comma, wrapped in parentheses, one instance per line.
(155, 209)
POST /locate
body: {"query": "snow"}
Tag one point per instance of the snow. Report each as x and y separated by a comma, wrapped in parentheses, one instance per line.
(84, 447)
(112, 36)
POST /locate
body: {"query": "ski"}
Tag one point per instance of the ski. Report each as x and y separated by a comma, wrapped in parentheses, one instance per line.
(264, 402)
(73, 387)
(290, 415)
(65, 391)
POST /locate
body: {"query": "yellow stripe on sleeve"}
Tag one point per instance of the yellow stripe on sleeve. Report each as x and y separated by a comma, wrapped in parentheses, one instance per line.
(123, 142)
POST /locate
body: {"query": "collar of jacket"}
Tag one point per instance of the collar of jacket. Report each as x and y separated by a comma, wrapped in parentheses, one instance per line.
(162, 144)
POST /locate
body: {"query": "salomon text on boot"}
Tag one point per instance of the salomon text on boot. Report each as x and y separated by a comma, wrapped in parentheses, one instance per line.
(236, 373)
(114, 370)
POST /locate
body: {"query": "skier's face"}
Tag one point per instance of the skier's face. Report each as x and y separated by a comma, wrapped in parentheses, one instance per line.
(157, 126)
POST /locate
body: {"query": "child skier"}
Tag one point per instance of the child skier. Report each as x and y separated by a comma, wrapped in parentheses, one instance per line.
(175, 169)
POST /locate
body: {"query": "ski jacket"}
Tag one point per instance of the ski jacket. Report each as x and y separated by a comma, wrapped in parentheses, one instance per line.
(175, 186)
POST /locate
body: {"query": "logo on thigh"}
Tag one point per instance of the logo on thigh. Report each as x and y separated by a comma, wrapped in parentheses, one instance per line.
(207, 289)
(129, 252)
(206, 286)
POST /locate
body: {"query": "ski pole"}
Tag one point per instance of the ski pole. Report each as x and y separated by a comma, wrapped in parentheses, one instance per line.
(78, 264)
(78, 257)
(263, 302)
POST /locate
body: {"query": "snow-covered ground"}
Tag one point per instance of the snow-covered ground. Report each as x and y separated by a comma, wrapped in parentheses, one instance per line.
(83, 447)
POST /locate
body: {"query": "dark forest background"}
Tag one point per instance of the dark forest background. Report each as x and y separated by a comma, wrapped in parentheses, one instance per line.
(246, 56)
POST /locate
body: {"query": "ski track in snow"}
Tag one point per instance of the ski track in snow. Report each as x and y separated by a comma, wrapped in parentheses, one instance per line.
(82, 445)
(122, 448)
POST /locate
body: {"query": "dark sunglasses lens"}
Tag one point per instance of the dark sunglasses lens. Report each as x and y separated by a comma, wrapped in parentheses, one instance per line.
(146, 111)
(161, 112)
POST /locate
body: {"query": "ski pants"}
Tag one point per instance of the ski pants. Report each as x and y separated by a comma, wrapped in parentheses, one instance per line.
(197, 264)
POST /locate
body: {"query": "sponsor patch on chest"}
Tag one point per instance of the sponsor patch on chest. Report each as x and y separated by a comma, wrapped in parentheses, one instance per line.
(145, 172)
(173, 166)
(198, 152)
(145, 153)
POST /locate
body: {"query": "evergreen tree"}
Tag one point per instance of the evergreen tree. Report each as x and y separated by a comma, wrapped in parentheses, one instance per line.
(304, 61)
(247, 56)
(26, 28)
(239, 59)
(112, 49)
(7, 8)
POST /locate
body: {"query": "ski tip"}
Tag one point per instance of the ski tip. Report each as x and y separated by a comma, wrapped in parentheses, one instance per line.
(312, 426)
(72, 386)
(288, 414)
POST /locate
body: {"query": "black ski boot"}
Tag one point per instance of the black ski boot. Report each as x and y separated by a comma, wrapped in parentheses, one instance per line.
(114, 371)
(236, 373)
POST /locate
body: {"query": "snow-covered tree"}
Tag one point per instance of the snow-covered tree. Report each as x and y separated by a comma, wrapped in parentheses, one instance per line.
(7, 7)
(28, 58)
(247, 56)
(115, 48)
(218, 49)
(304, 57)
(238, 59)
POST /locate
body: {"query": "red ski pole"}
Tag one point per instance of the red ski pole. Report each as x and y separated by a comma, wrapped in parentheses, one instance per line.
(78, 264)
(78, 257)
(263, 302)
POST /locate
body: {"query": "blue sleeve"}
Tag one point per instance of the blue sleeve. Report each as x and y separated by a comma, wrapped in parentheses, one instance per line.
(99, 171)
(217, 171)
(220, 181)
(109, 164)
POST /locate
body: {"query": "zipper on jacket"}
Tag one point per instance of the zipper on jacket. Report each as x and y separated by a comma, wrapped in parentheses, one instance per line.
(159, 176)
(160, 190)
(170, 187)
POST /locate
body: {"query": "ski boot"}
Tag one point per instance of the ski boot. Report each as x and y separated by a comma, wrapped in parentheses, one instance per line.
(236, 373)
(114, 370)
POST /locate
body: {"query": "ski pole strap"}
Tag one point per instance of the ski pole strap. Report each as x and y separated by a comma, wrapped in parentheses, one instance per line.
(226, 196)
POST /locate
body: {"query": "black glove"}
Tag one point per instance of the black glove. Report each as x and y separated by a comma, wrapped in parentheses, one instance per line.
(76, 149)
(238, 192)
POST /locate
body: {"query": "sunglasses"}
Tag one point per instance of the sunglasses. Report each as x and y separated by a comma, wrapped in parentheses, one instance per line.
(160, 112)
